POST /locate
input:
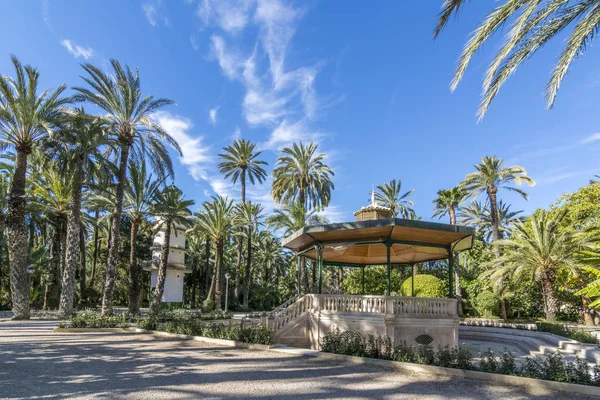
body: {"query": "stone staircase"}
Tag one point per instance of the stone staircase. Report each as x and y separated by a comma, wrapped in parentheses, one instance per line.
(532, 343)
(290, 321)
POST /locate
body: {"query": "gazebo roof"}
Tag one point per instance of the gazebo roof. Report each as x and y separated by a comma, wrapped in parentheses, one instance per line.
(365, 242)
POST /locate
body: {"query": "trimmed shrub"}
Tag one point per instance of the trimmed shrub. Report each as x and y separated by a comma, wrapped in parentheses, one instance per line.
(425, 286)
(486, 303)
(91, 319)
(563, 330)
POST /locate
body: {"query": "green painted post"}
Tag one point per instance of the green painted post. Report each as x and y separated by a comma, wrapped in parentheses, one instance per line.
(389, 268)
(298, 266)
(412, 281)
(320, 262)
(362, 281)
(450, 273)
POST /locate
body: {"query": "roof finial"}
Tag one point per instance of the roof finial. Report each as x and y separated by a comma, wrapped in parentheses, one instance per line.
(373, 195)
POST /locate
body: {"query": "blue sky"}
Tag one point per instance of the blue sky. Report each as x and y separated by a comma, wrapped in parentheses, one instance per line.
(364, 80)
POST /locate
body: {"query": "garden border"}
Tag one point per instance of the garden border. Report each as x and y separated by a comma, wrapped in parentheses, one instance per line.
(387, 364)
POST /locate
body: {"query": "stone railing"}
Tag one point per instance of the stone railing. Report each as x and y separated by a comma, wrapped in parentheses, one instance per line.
(394, 305)
(291, 312)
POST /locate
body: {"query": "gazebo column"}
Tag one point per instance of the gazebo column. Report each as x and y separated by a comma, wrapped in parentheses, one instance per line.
(450, 273)
(388, 246)
(320, 266)
(298, 266)
(412, 279)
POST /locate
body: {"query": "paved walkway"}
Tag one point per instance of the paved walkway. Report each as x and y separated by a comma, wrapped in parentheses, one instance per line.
(35, 363)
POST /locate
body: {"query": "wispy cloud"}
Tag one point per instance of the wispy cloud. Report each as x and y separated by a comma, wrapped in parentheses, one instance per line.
(76, 50)
(558, 177)
(194, 42)
(231, 16)
(594, 137)
(286, 133)
(212, 115)
(237, 133)
(547, 151)
(155, 12)
(196, 156)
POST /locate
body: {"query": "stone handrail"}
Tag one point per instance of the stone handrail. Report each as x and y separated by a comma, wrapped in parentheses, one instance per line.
(394, 305)
(284, 305)
(291, 312)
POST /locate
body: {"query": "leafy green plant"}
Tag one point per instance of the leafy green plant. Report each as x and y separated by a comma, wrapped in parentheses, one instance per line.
(90, 319)
(566, 331)
(425, 286)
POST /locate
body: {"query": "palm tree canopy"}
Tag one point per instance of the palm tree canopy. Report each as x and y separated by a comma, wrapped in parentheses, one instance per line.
(389, 196)
(491, 175)
(129, 113)
(477, 215)
(539, 246)
(26, 115)
(532, 23)
(140, 191)
(293, 217)
(216, 219)
(250, 215)
(170, 206)
(239, 159)
(448, 199)
(301, 175)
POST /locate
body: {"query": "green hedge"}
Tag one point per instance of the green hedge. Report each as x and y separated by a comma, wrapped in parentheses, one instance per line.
(425, 286)
(91, 319)
(550, 367)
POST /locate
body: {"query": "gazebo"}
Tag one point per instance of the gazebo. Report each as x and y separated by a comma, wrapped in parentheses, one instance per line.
(374, 238)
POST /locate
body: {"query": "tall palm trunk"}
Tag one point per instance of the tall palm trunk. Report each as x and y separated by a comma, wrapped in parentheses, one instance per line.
(550, 306)
(2, 227)
(194, 278)
(95, 256)
(82, 263)
(134, 270)
(54, 272)
(491, 191)
(457, 286)
(218, 272)
(207, 265)
(162, 271)
(588, 319)
(17, 238)
(248, 270)
(113, 246)
(238, 265)
(72, 251)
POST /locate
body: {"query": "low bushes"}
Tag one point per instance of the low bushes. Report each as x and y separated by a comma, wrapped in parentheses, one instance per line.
(91, 319)
(566, 331)
(550, 367)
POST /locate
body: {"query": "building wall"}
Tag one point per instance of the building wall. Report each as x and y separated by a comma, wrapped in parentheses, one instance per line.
(173, 292)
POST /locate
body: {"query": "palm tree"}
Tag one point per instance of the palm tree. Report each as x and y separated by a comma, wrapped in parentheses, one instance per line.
(240, 162)
(301, 175)
(4, 190)
(216, 222)
(290, 218)
(26, 116)
(533, 24)
(250, 216)
(141, 190)
(474, 214)
(539, 248)
(447, 203)
(79, 143)
(477, 215)
(595, 180)
(172, 211)
(129, 115)
(389, 196)
(491, 177)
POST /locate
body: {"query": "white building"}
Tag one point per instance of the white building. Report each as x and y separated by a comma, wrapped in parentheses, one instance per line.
(176, 268)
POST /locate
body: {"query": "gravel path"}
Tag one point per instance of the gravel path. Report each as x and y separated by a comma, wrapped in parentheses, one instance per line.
(36, 363)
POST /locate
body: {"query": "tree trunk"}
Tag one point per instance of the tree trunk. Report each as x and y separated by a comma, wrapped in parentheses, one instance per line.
(247, 279)
(238, 267)
(587, 316)
(208, 275)
(549, 296)
(2, 227)
(491, 191)
(194, 277)
(218, 272)
(17, 239)
(134, 270)
(113, 246)
(95, 256)
(503, 313)
(72, 251)
(82, 263)
(162, 271)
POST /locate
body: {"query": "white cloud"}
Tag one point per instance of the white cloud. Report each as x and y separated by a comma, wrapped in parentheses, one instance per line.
(194, 42)
(334, 214)
(232, 16)
(155, 12)
(77, 51)
(212, 115)
(591, 138)
(196, 156)
(286, 133)
(237, 133)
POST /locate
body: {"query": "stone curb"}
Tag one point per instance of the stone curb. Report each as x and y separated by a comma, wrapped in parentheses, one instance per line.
(94, 330)
(430, 369)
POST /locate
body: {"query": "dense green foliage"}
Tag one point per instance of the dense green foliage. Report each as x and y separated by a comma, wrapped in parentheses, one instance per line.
(549, 367)
(568, 332)
(425, 286)
(91, 319)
